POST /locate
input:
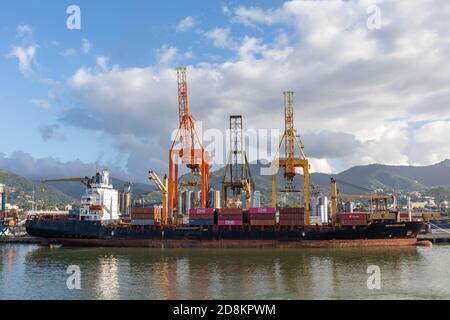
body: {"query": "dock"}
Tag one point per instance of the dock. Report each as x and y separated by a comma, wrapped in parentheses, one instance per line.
(19, 240)
(435, 237)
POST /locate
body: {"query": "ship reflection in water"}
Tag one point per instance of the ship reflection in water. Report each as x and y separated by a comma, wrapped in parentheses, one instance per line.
(31, 272)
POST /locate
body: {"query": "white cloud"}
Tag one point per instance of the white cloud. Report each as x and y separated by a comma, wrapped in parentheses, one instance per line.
(38, 169)
(102, 63)
(69, 52)
(41, 103)
(26, 57)
(167, 55)
(85, 46)
(220, 37)
(251, 16)
(23, 30)
(362, 96)
(187, 24)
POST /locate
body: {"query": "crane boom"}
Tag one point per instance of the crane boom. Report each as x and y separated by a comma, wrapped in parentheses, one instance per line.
(163, 188)
(356, 196)
(86, 180)
(335, 196)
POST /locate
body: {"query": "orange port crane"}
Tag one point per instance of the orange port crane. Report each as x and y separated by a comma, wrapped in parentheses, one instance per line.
(188, 149)
(290, 162)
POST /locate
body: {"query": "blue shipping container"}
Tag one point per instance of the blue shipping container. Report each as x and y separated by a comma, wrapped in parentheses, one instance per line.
(201, 222)
(142, 222)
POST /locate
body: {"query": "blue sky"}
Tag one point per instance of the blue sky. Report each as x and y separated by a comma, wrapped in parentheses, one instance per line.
(129, 34)
(107, 93)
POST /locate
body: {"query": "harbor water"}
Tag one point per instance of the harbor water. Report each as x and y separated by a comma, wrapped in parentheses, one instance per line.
(35, 272)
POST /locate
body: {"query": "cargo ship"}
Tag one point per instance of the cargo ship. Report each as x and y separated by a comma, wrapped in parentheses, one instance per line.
(98, 223)
(224, 224)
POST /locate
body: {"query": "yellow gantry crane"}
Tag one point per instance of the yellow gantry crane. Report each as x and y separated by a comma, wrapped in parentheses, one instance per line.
(290, 161)
(163, 188)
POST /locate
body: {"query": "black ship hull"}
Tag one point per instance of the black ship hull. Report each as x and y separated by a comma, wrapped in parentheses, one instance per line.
(94, 233)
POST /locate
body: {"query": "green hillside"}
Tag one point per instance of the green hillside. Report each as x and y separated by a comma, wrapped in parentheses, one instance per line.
(21, 193)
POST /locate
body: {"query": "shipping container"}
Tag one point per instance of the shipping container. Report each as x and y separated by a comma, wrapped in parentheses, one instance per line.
(354, 216)
(383, 216)
(201, 216)
(230, 222)
(262, 222)
(143, 222)
(292, 210)
(201, 222)
(144, 217)
(262, 210)
(261, 216)
(353, 222)
(137, 210)
(292, 216)
(229, 216)
(291, 222)
(229, 211)
(201, 211)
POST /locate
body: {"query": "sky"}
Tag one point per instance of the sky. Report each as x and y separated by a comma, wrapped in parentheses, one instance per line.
(371, 80)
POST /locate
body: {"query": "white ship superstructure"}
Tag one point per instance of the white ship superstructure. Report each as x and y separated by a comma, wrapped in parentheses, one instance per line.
(101, 201)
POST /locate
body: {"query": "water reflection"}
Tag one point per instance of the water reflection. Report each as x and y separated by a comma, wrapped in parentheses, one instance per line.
(216, 274)
(107, 281)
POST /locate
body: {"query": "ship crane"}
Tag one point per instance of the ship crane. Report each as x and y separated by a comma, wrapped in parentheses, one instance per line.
(291, 161)
(237, 175)
(162, 187)
(188, 149)
(335, 196)
(88, 182)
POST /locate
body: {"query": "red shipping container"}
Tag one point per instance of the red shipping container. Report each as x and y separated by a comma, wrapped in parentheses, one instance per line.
(292, 210)
(229, 210)
(292, 216)
(143, 216)
(145, 210)
(261, 216)
(230, 222)
(201, 216)
(201, 211)
(229, 216)
(262, 222)
(261, 210)
(353, 222)
(292, 222)
(353, 216)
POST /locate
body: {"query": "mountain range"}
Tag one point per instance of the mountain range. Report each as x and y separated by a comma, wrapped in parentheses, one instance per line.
(432, 180)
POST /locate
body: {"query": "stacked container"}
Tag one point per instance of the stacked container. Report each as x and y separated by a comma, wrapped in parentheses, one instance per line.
(261, 216)
(229, 217)
(292, 217)
(353, 219)
(383, 215)
(145, 216)
(201, 216)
